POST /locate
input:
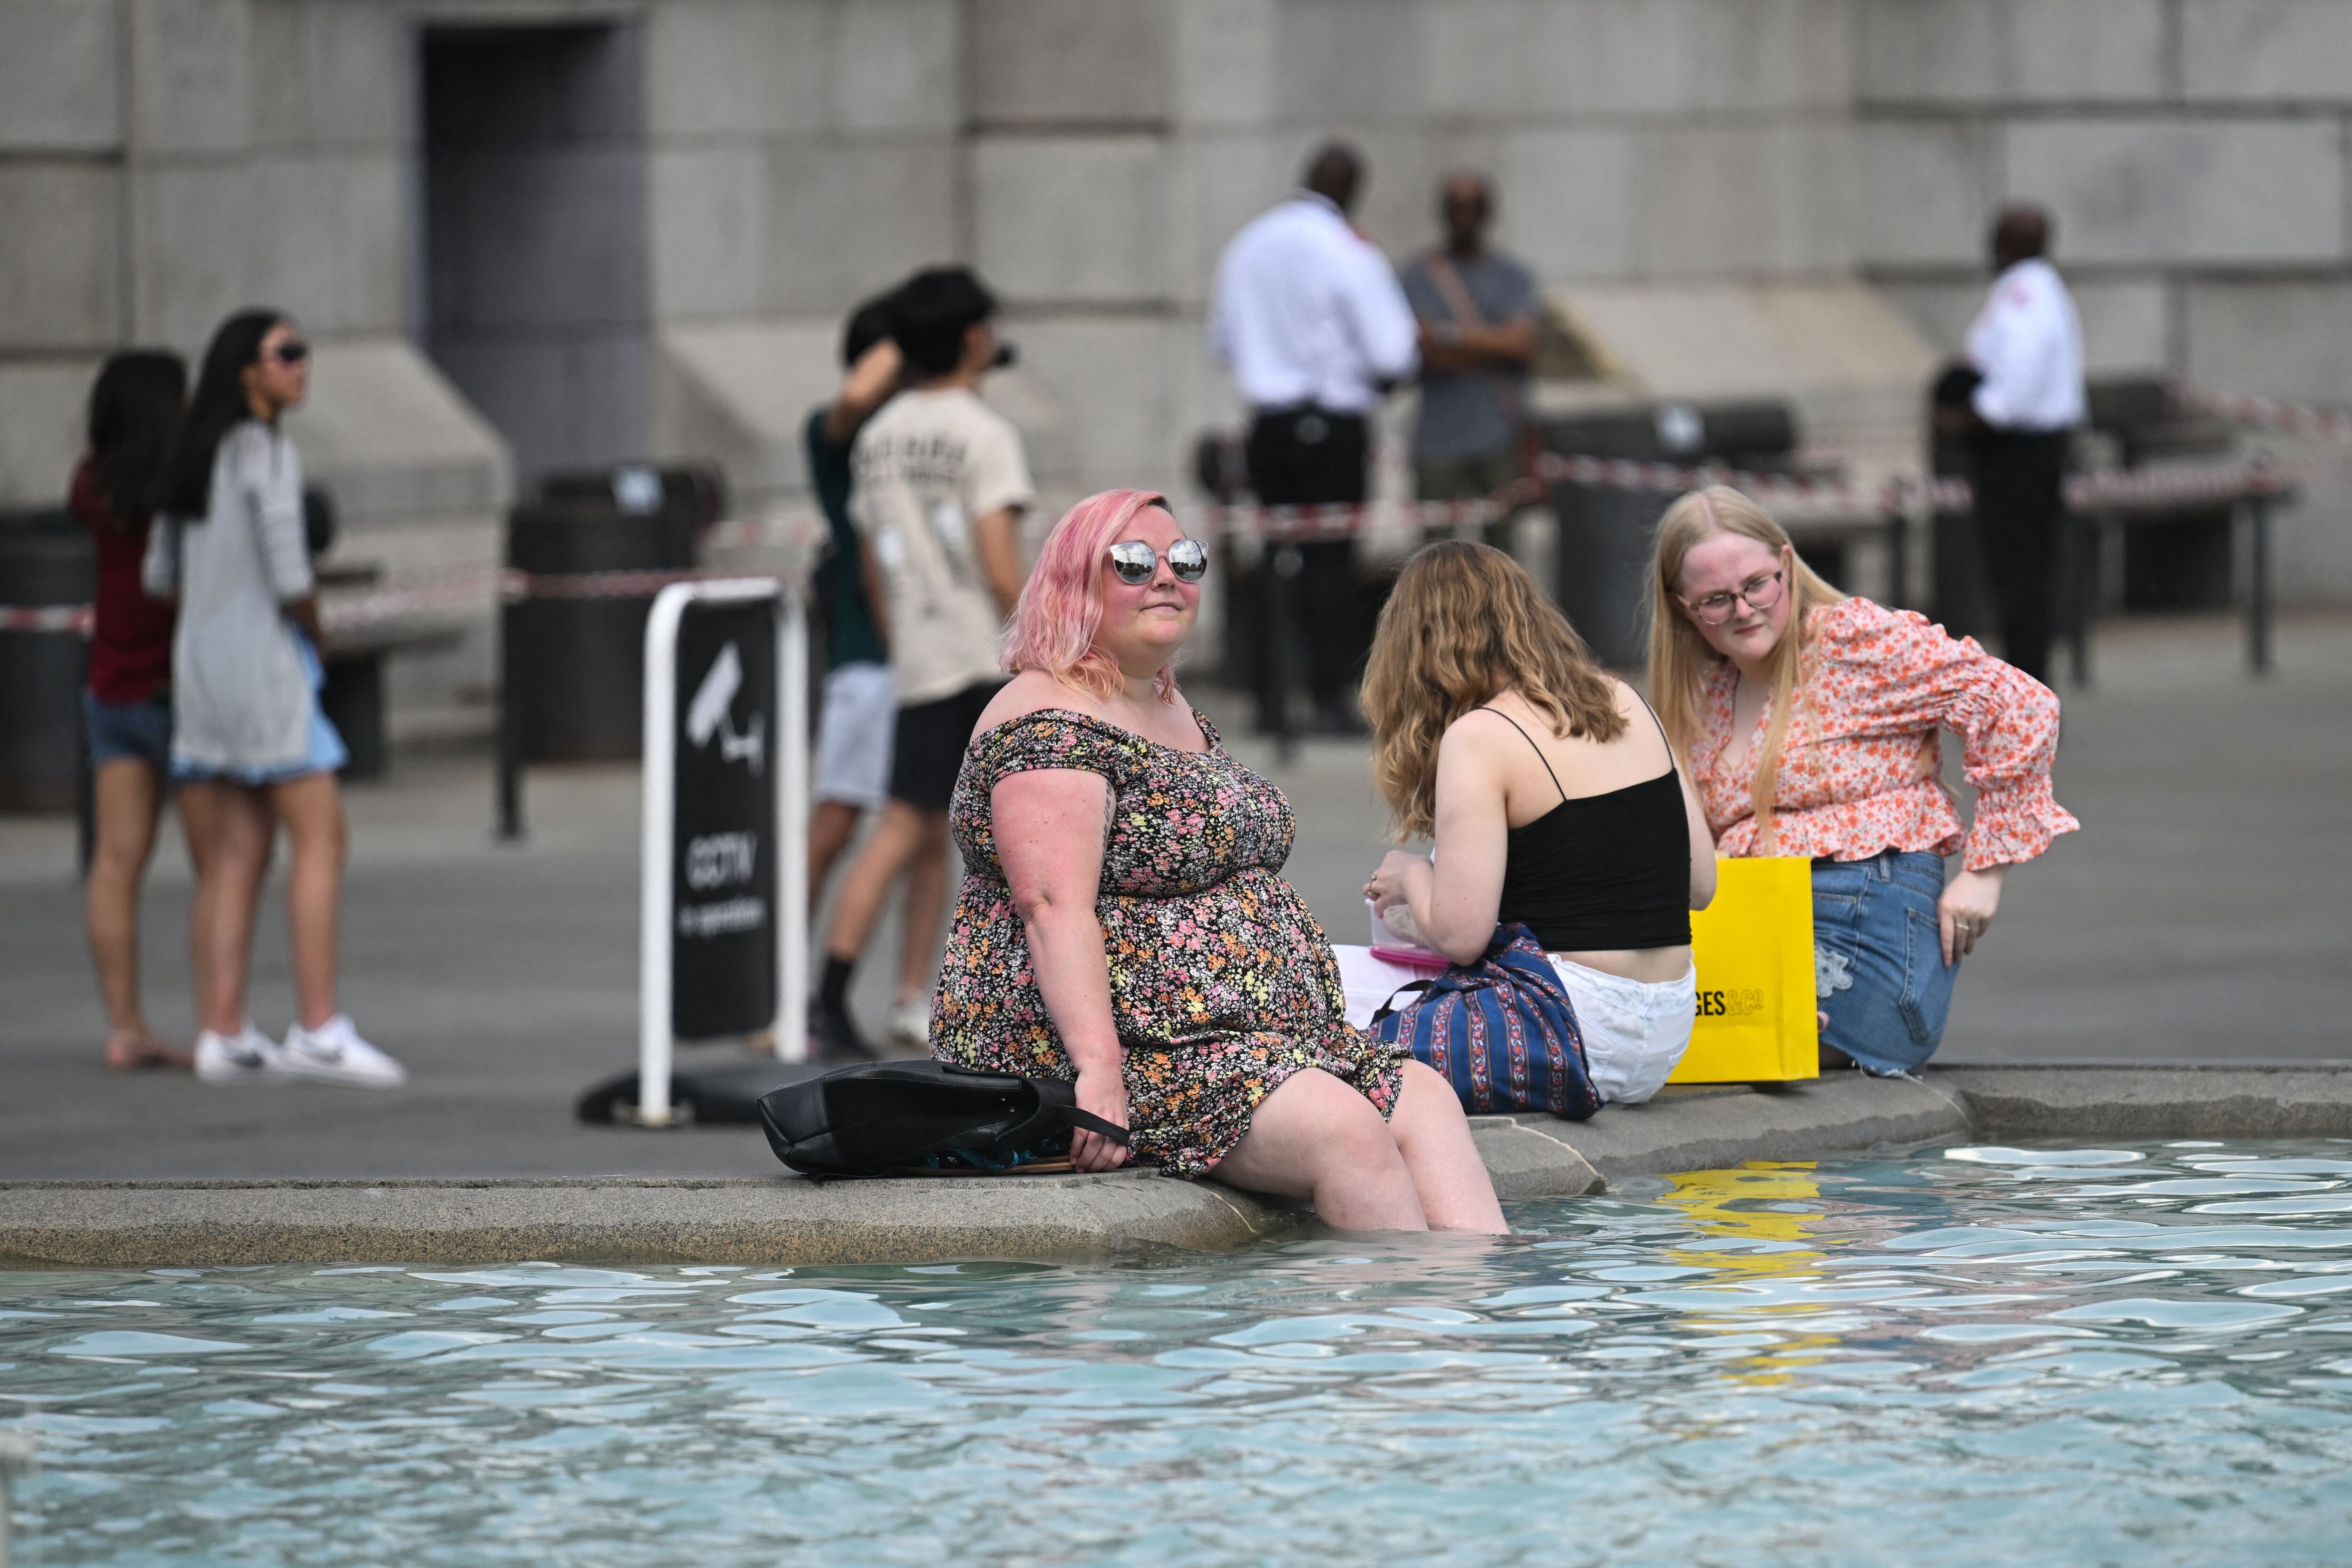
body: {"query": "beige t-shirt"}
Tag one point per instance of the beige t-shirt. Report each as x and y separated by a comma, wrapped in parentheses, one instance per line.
(928, 466)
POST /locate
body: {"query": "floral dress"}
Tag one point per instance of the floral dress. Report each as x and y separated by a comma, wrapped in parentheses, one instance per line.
(1222, 984)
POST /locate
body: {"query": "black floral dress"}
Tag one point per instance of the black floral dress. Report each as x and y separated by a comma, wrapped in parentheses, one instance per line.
(1222, 985)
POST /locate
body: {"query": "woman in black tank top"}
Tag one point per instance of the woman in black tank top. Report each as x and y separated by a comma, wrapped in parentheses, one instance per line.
(1553, 800)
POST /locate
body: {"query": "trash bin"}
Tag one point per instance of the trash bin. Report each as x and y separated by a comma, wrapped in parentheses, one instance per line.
(574, 665)
(2179, 558)
(1607, 533)
(46, 560)
(690, 494)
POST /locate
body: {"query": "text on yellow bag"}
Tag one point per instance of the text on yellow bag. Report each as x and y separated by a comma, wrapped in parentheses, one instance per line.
(1753, 951)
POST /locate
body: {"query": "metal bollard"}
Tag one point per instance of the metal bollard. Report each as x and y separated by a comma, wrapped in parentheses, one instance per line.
(1898, 524)
(510, 823)
(2079, 570)
(2258, 592)
(1282, 620)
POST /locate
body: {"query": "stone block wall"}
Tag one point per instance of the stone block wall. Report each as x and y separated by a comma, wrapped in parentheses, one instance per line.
(165, 161)
(2198, 156)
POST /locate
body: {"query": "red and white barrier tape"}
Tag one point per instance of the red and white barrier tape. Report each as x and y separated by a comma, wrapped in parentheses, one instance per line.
(464, 592)
(2277, 414)
(2106, 491)
(46, 618)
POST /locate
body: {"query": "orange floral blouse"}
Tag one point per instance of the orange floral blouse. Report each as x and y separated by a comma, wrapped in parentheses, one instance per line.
(1862, 768)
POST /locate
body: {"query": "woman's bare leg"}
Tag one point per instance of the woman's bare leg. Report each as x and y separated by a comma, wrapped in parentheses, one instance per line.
(1317, 1138)
(234, 826)
(867, 882)
(1434, 1136)
(311, 807)
(830, 827)
(127, 794)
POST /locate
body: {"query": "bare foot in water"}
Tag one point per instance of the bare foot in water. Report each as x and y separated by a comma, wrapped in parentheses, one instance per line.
(131, 1050)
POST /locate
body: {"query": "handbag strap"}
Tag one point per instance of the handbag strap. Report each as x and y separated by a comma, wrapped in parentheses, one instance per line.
(1389, 1008)
(1093, 1123)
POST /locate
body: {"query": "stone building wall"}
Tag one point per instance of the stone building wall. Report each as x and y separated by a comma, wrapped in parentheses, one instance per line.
(162, 162)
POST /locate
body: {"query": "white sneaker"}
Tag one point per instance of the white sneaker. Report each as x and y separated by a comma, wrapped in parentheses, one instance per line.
(334, 1053)
(910, 1021)
(247, 1057)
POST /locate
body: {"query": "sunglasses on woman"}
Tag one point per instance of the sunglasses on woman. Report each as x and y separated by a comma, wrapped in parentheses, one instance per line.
(1760, 591)
(293, 352)
(1135, 561)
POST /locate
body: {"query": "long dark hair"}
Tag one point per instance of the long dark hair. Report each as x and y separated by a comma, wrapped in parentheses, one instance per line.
(134, 407)
(218, 407)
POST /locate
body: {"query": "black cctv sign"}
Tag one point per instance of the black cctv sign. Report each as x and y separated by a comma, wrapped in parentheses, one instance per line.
(723, 904)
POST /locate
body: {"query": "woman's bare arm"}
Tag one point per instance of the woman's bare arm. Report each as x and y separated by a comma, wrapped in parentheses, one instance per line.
(1454, 902)
(1049, 826)
(1702, 845)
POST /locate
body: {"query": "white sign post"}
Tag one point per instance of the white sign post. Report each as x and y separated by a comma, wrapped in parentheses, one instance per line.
(786, 740)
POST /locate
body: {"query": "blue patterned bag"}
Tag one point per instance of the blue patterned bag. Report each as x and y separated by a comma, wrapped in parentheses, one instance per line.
(1502, 1031)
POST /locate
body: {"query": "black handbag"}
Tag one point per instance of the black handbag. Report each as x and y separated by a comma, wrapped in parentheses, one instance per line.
(880, 1118)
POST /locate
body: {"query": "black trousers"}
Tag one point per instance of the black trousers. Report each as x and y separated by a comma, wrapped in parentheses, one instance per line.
(1310, 456)
(2020, 507)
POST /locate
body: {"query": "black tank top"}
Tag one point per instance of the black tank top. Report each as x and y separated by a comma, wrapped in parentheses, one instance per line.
(1601, 871)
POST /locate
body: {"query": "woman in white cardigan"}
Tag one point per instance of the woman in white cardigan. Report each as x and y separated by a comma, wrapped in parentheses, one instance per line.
(250, 749)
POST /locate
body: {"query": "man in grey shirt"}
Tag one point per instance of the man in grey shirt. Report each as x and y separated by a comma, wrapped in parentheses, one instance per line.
(1476, 309)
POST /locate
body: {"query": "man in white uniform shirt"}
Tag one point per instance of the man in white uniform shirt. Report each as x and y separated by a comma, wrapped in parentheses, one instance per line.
(1311, 318)
(2027, 345)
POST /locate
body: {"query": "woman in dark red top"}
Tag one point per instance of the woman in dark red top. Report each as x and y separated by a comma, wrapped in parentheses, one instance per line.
(127, 708)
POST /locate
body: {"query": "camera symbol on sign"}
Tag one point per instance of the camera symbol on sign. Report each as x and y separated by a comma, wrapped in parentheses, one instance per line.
(710, 716)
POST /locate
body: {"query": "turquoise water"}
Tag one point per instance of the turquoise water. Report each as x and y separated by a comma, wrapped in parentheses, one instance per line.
(2135, 1355)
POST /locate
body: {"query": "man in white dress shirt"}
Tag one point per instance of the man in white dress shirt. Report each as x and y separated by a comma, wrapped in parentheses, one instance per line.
(1309, 317)
(2027, 345)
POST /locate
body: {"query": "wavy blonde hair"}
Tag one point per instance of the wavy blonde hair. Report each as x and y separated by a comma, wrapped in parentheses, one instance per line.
(1463, 622)
(1680, 658)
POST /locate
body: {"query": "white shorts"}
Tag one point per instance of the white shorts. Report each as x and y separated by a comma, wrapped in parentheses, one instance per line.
(853, 735)
(1634, 1032)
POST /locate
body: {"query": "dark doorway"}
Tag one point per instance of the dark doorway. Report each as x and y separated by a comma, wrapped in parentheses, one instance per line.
(535, 237)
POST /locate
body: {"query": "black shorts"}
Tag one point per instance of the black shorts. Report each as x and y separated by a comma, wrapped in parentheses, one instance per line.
(927, 750)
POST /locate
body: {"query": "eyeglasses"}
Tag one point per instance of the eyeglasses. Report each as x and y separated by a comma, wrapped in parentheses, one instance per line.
(1760, 591)
(293, 352)
(1135, 562)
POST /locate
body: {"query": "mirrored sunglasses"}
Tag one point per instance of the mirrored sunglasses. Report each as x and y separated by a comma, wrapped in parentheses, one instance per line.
(1135, 561)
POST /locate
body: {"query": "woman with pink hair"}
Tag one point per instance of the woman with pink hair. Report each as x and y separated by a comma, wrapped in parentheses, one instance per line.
(1123, 922)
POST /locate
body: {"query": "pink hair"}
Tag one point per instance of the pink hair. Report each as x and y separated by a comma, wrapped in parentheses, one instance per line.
(1061, 608)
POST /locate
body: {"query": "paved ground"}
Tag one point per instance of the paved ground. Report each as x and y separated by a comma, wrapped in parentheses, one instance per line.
(2197, 918)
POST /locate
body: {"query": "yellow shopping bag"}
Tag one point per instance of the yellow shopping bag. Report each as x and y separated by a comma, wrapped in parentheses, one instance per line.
(1754, 948)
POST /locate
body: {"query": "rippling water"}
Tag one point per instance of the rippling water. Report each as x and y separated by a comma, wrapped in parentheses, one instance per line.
(2134, 1355)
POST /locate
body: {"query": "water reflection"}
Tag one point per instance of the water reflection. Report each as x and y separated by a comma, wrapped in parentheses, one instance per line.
(2046, 1354)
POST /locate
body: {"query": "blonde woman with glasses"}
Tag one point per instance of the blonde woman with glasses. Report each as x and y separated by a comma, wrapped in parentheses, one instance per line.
(1809, 723)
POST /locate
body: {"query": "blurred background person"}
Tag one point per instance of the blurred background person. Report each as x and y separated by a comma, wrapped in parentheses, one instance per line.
(940, 483)
(250, 748)
(134, 408)
(1311, 318)
(2027, 345)
(853, 753)
(1477, 307)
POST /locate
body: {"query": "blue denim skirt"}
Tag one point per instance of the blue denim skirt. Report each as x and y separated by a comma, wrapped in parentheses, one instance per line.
(1878, 958)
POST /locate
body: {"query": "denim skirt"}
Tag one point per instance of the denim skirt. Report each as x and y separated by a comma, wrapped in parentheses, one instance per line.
(1878, 958)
